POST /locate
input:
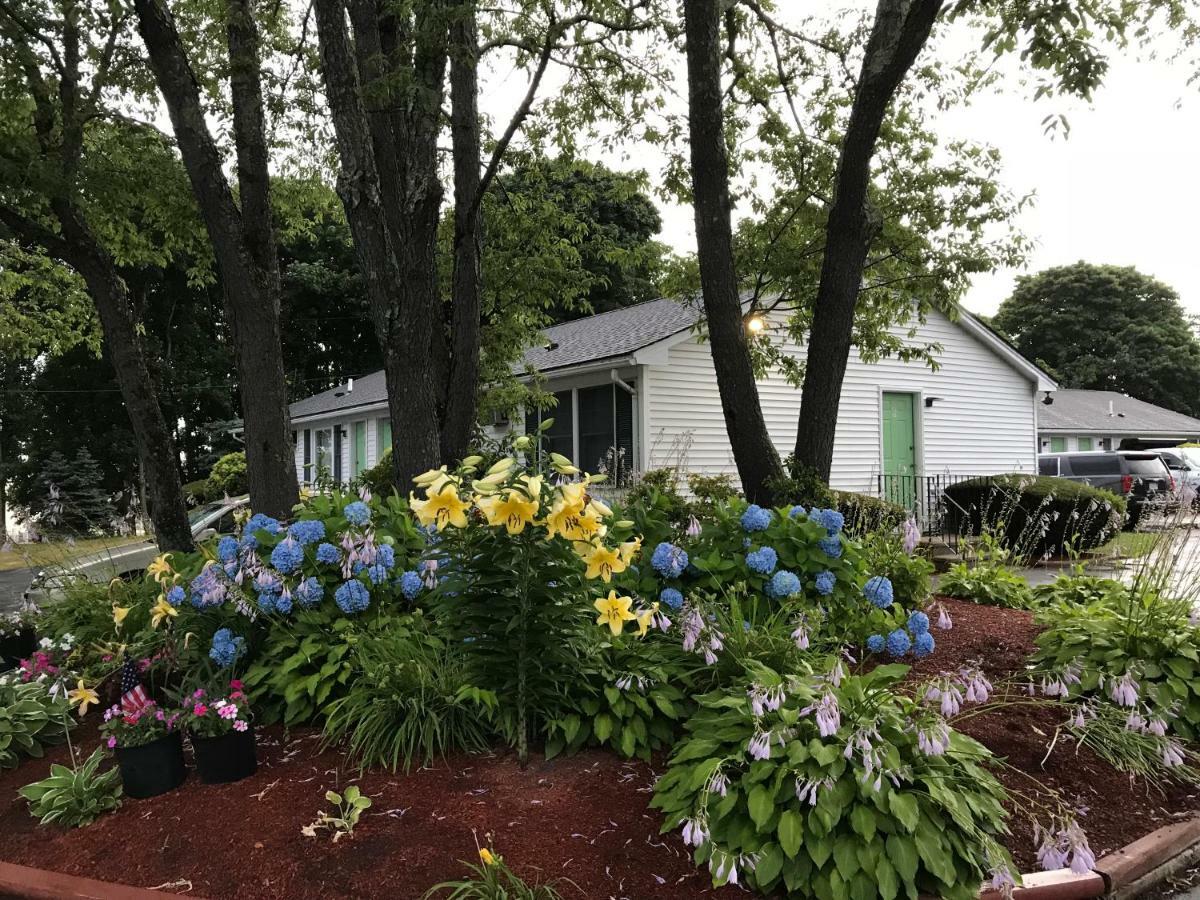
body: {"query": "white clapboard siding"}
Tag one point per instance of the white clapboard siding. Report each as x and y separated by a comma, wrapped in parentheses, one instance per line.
(981, 423)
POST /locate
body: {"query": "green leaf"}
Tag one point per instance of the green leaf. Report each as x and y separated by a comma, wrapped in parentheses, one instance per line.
(862, 819)
(904, 807)
(603, 726)
(761, 804)
(790, 831)
(902, 851)
(770, 861)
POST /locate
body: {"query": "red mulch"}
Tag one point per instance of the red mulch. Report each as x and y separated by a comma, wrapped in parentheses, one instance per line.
(584, 818)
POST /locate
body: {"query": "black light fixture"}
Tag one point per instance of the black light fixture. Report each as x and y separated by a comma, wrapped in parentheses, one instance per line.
(1048, 400)
(929, 401)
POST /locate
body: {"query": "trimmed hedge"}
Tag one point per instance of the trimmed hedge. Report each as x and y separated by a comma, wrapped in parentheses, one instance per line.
(1034, 515)
(865, 514)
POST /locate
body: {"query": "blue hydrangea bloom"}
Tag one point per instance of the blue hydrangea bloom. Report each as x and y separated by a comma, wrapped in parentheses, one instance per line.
(309, 592)
(358, 568)
(923, 645)
(258, 522)
(824, 583)
(266, 602)
(875, 643)
(357, 513)
(898, 642)
(386, 555)
(176, 595)
(763, 560)
(783, 584)
(918, 623)
(378, 573)
(832, 546)
(227, 549)
(878, 590)
(268, 583)
(668, 560)
(283, 604)
(755, 518)
(226, 647)
(307, 531)
(410, 584)
(352, 597)
(287, 556)
(329, 554)
(671, 598)
(829, 519)
(796, 511)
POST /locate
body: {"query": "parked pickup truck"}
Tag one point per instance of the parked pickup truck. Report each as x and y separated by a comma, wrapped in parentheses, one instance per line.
(1140, 476)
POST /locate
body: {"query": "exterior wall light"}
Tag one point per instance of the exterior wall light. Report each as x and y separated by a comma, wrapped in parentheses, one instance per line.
(755, 324)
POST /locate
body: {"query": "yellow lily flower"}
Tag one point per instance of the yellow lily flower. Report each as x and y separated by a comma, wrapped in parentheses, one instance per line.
(563, 519)
(443, 507)
(645, 618)
(160, 568)
(510, 509)
(630, 549)
(83, 697)
(119, 614)
(574, 494)
(588, 527)
(603, 563)
(485, 855)
(600, 507)
(614, 611)
(161, 611)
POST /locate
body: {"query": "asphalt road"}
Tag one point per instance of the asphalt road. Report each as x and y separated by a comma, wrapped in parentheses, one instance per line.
(12, 585)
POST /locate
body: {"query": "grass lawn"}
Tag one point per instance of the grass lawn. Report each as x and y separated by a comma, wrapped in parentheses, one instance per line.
(1129, 544)
(58, 552)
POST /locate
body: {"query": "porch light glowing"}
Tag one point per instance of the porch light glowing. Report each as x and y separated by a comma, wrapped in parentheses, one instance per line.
(755, 324)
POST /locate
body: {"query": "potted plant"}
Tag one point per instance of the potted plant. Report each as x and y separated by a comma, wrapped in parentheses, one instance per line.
(149, 749)
(18, 639)
(222, 735)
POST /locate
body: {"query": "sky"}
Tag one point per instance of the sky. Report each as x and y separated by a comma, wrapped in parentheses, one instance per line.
(1121, 189)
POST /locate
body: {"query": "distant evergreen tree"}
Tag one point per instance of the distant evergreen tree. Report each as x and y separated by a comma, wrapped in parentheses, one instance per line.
(73, 499)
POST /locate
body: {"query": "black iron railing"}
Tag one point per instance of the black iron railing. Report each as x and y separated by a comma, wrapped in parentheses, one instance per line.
(925, 497)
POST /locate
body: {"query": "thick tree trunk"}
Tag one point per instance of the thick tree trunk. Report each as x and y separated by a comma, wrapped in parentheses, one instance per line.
(244, 247)
(389, 188)
(900, 30)
(155, 443)
(460, 404)
(756, 458)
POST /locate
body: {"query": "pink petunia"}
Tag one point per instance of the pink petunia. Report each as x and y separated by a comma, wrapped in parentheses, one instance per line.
(240, 725)
(199, 710)
(112, 743)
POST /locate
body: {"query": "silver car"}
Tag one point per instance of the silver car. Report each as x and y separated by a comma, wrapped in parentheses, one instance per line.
(130, 560)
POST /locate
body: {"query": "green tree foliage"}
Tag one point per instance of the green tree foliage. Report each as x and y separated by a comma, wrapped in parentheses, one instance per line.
(1107, 328)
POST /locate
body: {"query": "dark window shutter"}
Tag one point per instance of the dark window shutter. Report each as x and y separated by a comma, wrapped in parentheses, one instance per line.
(307, 450)
(625, 462)
(337, 453)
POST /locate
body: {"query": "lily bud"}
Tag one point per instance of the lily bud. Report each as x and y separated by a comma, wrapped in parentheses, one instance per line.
(483, 487)
(623, 523)
(522, 443)
(596, 479)
(601, 507)
(429, 477)
(472, 461)
(497, 478)
(502, 465)
(559, 460)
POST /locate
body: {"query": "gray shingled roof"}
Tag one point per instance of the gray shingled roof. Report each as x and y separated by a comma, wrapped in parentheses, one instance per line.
(608, 335)
(1088, 411)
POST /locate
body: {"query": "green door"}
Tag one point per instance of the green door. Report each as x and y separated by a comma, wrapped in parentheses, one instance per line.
(899, 449)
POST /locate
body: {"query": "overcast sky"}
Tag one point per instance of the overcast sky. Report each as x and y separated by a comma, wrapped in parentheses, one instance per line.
(1122, 188)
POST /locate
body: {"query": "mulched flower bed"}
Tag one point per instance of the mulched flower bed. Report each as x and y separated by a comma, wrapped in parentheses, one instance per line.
(584, 818)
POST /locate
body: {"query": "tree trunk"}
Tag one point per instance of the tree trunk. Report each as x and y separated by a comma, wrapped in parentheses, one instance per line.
(756, 458)
(900, 30)
(460, 403)
(155, 443)
(243, 245)
(390, 190)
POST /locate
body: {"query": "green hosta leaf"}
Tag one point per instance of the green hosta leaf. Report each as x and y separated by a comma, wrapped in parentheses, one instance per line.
(902, 851)
(603, 726)
(862, 819)
(761, 804)
(790, 831)
(770, 861)
(904, 808)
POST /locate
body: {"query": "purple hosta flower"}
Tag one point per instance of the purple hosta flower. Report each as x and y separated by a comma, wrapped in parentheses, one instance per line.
(944, 622)
(329, 555)
(800, 634)
(911, 535)
(898, 643)
(947, 694)
(759, 746)
(431, 574)
(693, 527)
(309, 592)
(630, 680)
(764, 700)
(809, 789)
(1002, 879)
(837, 672)
(695, 831)
(669, 560)
(357, 513)
(824, 583)
(268, 583)
(364, 493)
(1124, 690)
(762, 561)
(934, 740)
(878, 590)
(1156, 726)
(693, 628)
(1059, 685)
(1172, 754)
(1068, 844)
(827, 713)
(671, 597)
(755, 518)
(726, 870)
(350, 549)
(977, 686)
(658, 619)
(207, 589)
(718, 784)
(368, 550)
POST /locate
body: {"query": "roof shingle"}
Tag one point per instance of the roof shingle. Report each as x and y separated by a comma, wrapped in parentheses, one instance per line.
(1088, 411)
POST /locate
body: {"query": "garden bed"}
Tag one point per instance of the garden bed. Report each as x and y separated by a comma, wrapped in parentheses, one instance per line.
(583, 817)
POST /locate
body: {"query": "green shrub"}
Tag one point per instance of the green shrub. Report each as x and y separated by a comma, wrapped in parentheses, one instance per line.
(991, 584)
(197, 492)
(1126, 631)
(380, 479)
(866, 515)
(657, 489)
(708, 491)
(1076, 589)
(1035, 515)
(886, 822)
(884, 554)
(74, 797)
(228, 477)
(30, 719)
(409, 701)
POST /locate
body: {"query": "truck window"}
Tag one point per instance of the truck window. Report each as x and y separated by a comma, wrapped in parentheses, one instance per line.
(1096, 464)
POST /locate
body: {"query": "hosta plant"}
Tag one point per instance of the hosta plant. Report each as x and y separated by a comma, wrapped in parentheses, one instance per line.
(834, 787)
(31, 717)
(75, 796)
(348, 809)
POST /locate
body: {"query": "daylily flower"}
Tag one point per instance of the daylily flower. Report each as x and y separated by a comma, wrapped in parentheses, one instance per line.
(161, 611)
(630, 549)
(510, 509)
(614, 611)
(160, 569)
(603, 562)
(486, 857)
(443, 507)
(119, 614)
(83, 697)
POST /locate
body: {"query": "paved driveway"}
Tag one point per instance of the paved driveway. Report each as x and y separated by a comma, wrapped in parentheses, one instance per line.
(12, 584)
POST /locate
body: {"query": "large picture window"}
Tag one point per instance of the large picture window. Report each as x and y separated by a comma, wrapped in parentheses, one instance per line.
(602, 438)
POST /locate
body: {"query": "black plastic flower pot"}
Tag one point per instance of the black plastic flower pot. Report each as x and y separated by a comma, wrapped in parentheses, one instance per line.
(154, 768)
(16, 647)
(228, 757)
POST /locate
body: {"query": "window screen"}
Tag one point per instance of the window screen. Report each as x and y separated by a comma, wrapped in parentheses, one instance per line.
(559, 437)
(597, 427)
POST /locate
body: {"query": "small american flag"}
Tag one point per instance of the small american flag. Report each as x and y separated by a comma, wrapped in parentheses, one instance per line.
(133, 696)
